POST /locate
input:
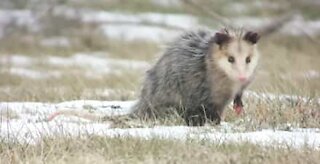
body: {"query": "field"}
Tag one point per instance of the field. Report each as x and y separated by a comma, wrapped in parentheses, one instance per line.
(92, 56)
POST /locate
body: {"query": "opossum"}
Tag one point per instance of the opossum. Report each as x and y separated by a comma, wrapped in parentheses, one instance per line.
(198, 75)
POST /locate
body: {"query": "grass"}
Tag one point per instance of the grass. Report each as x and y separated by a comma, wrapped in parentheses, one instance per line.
(83, 41)
(68, 87)
(134, 150)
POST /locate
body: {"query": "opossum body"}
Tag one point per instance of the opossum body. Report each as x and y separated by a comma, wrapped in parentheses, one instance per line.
(200, 73)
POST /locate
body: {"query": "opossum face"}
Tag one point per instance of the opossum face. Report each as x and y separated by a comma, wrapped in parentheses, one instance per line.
(236, 54)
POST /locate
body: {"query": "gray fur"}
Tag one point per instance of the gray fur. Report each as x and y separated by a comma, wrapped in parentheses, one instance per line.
(182, 79)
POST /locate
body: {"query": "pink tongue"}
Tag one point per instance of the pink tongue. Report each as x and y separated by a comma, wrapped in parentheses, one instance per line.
(238, 109)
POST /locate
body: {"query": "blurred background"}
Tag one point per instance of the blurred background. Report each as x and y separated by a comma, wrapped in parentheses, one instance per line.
(56, 50)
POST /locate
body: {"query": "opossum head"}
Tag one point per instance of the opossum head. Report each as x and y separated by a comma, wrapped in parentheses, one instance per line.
(235, 53)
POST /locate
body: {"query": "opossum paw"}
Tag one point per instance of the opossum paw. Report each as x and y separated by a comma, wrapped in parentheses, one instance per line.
(195, 120)
(238, 109)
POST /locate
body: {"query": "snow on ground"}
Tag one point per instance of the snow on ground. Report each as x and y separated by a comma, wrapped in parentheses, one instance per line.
(106, 92)
(32, 73)
(129, 32)
(168, 3)
(23, 18)
(157, 27)
(296, 27)
(179, 21)
(94, 64)
(154, 27)
(16, 60)
(27, 126)
(309, 74)
(299, 26)
(97, 61)
(55, 42)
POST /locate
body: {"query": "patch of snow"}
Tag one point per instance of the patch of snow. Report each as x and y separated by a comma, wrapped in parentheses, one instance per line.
(244, 8)
(23, 18)
(274, 138)
(95, 65)
(180, 21)
(250, 22)
(310, 74)
(106, 92)
(167, 3)
(237, 7)
(106, 107)
(67, 12)
(138, 32)
(26, 129)
(88, 61)
(268, 5)
(156, 27)
(299, 26)
(16, 60)
(33, 73)
(55, 42)
(96, 61)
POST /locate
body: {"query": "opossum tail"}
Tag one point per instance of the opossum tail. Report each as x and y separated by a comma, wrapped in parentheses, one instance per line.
(81, 114)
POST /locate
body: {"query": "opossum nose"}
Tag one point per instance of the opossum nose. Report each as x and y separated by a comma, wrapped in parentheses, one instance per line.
(242, 78)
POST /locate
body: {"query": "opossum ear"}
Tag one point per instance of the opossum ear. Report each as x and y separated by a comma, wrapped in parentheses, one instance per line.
(221, 38)
(251, 37)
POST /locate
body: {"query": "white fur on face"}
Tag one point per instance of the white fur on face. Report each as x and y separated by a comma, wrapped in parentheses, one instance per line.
(240, 50)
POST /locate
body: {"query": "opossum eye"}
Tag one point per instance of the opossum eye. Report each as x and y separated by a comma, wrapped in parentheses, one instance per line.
(231, 59)
(248, 60)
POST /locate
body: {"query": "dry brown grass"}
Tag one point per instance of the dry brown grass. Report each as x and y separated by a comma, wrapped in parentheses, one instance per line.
(68, 87)
(133, 150)
(82, 41)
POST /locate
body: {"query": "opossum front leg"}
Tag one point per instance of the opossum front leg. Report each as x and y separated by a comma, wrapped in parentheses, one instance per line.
(195, 117)
(198, 116)
(213, 113)
(237, 103)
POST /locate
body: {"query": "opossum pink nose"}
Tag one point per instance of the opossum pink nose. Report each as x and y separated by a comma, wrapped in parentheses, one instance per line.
(242, 78)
